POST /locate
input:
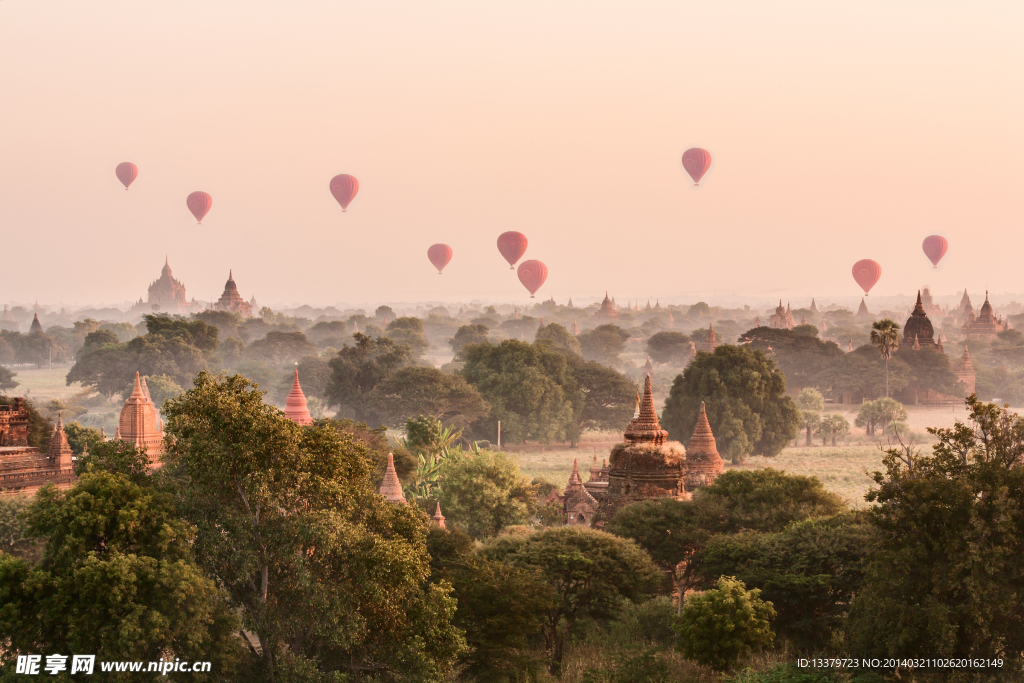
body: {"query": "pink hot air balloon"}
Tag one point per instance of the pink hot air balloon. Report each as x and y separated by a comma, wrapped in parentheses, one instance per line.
(126, 172)
(199, 203)
(512, 246)
(696, 161)
(935, 248)
(532, 274)
(344, 187)
(866, 272)
(439, 255)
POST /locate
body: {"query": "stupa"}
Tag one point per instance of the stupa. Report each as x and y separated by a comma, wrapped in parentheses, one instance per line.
(863, 311)
(438, 518)
(391, 488)
(295, 405)
(139, 424)
(36, 325)
(703, 463)
(645, 466)
(231, 300)
(918, 330)
(965, 372)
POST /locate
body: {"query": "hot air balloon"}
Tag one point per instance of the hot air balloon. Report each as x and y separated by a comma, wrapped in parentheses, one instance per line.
(935, 248)
(532, 274)
(439, 255)
(199, 204)
(866, 272)
(344, 187)
(512, 246)
(696, 161)
(126, 172)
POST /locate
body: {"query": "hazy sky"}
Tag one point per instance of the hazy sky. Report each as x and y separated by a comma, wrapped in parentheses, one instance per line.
(838, 130)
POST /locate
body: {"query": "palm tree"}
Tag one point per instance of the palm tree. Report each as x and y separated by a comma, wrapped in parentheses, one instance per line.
(885, 334)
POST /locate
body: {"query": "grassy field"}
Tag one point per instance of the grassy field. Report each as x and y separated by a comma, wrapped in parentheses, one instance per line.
(42, 385)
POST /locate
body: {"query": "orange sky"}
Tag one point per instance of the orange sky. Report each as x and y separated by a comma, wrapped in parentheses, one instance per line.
(839, 131)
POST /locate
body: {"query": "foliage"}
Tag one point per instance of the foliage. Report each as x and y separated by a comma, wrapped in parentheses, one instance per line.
(768, 499)
(117, 580)
(161, 388)
(530, 388)
(408, 331)
(7, 380)
(604, 343)
(721, 625)
(810, 398)
(79, 436)
(929, 369)
(608, 397)
(483, 492)
(14, 538)
(879, 413)
(559, 337)
(832, 427)
(468, 334)
(885, 336)
(500, 607)
(801, 357)
(416, 390)
(193, 333)
(119, 457)
(745, 396)
(589, 571)
(810, 571)
(288, 522)
(357, 370)
(639, 666)
(944, 577)
(377, 446)
(861, 373)
(111, 368)
(280, 347)
(668, 347)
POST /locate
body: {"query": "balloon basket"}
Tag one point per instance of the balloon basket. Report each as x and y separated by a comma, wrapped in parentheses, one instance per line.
(344, 210)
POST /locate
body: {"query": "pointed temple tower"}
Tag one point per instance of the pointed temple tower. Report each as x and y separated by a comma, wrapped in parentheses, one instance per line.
(608, 309)
(579, 504)
(863, 311)
(918, 332)
(965, 372)
(36, 325)
(645, 466)
(295, 405)
(703, 463)
(139, 424)
(60, 450)
(231, 300)
(985, 327)
(438, 518)
(391, 488)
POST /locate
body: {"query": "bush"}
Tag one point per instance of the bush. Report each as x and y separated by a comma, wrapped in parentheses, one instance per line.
(632, 667)
(721, 625)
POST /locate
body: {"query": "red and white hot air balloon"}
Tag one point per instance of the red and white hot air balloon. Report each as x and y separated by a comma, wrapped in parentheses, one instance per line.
(126, 172)
(532, 274)
(344, 187)
(935, 248)
(439, 255)
(696, 161)
(199, 203)
(512, 246)
(866, 272)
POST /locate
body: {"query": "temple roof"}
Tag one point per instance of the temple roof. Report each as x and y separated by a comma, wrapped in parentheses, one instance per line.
(702, 444)
(645, 427)
(36, 325)
(919, 328)
(391, 488)
(296, 409)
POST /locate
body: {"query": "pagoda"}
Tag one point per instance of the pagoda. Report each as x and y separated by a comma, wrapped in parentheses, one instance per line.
(232, 301)
(645, 466)
(391, 488)
(139, 423)
(782, 319)
(295, 405)
(710, 342)
(918, 331)
(36, 325)
(985, 327)
(863, 312)
(965, 372)
(578, 504)
(166, 294)
(703, 463)
(607, 309)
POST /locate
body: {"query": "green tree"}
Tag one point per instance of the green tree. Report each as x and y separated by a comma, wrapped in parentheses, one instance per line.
(745, 397)
(123, 458)
(833, 426)
(725, 623)
(530, 388)
(416, 390)
(861, 374)
(280, 347)
(669, 347)
(500, 608)
(79, 437)
(314, 376)
(811, 403)
(161, 388)
(800, 357)
(945, 576)
(117, 580)
(604, 343)
(228, 323)
(7, 380)
(357, 370)
(608, 397)
(469, 334)
(929, 369)
(589, 571)
(288, 522)
(810, 571)
(885, 336)
(193, 332)
(483, 492)
(878, 413)
(559, 337)
(101, 337)
(14, 536)
(111, 368)
(408, 331)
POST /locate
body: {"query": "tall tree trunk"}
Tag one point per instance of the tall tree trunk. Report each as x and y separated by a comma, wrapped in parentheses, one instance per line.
(809, 434)
(887, 378)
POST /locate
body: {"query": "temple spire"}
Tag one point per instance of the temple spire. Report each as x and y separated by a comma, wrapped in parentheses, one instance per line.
(438, 518)
(391, 487)
(645, 427)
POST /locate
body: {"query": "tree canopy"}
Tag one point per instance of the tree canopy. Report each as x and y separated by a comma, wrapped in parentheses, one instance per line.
(357, 370)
